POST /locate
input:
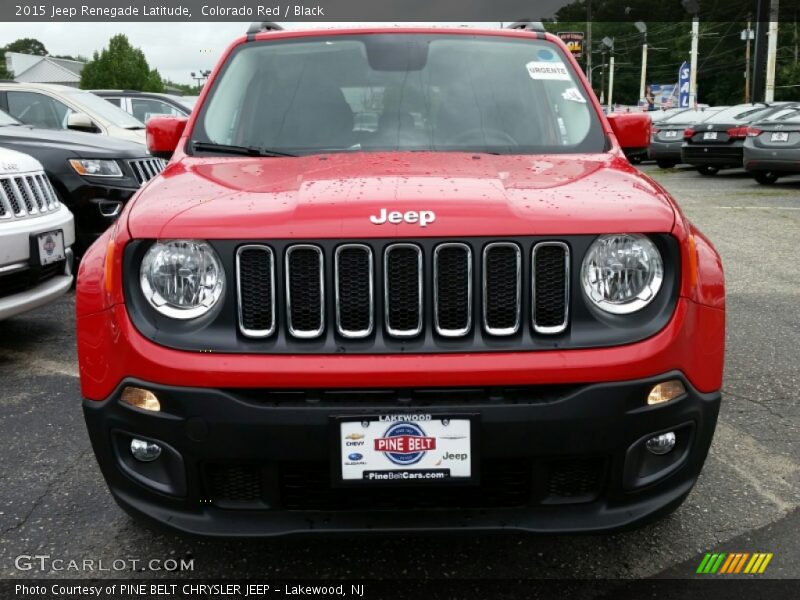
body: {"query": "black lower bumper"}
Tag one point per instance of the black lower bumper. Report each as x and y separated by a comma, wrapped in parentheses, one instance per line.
(755, 164)
(246, 463)
(665, 151)
(728, 156)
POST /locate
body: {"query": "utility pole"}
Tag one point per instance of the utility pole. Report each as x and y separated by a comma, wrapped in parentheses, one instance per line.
(772, 50)
(610, 81)
(748, 35)
(643, 81)
(757, 80)
(693, 61)
(603, 78)
(589, 41)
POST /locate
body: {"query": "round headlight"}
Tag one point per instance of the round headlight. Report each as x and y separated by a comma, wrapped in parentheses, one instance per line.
(622, 273)
(182, 279)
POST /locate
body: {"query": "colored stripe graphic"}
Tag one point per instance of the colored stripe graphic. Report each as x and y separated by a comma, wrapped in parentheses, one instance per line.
(734, 563)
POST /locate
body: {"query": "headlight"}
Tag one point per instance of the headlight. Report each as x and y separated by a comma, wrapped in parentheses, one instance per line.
(622, 273)
(182, 279)
(96, 168)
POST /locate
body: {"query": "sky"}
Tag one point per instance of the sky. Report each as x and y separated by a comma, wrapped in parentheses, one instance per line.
(175, 49)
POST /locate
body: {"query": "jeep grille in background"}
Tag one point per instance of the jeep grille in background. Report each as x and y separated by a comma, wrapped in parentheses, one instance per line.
(146, 168)
(26, 195)
(388, 282)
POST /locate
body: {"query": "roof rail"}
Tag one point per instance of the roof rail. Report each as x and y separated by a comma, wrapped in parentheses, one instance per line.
(259, 26)
(528, 25)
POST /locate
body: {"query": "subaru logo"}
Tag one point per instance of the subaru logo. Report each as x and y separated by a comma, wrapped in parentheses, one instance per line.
(354, 456)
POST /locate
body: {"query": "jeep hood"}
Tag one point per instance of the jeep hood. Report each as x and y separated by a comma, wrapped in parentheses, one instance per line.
(333, 196)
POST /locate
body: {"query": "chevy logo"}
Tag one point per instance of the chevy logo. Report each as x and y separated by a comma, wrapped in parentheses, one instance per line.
(422, 218)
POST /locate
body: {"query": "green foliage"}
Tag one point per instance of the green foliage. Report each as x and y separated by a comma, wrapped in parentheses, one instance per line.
(27, 46)
(120, 66)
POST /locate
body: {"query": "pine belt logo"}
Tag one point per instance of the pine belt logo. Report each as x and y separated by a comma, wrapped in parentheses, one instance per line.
(734, 563)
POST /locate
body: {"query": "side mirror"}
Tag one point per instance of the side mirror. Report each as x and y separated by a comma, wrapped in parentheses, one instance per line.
(81, 122)
(632, 131)
(163, 135)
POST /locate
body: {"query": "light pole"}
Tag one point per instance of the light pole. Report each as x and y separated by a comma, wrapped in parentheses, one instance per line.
(609, 43)
(643, 30)
(693, 7)
(772, 49)
(200, 76)
(747, 35)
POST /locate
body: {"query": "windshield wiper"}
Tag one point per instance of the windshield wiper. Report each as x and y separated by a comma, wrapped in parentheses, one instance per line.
(240, 150)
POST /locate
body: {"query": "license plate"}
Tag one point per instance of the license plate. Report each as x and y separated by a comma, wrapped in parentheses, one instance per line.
(51, 247)
(710, 135)
(670, 134)
(405, 449)
(779, 136)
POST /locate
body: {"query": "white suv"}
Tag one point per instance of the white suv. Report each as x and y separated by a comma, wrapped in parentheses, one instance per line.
(36, 235)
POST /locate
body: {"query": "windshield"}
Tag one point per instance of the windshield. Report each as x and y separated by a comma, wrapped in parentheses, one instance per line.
(787, 114)
(103, 108)
(742, 113)
(6, 120)
(384, 92)
(688, 117)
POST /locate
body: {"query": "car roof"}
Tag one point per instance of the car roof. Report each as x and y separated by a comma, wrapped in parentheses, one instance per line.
(53, 87)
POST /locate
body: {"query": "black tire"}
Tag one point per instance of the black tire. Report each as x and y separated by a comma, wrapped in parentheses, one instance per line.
(635, 159)
(707, 170)
(666, 164)
(766, 177)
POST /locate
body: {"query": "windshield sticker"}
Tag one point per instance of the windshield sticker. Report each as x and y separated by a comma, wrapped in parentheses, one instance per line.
(548, 70)
(573, 95)
(545, 54)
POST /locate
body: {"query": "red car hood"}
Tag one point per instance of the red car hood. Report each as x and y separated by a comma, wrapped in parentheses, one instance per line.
(333, 196)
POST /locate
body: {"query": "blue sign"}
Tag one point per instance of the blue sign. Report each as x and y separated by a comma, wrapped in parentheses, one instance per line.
(683, 85)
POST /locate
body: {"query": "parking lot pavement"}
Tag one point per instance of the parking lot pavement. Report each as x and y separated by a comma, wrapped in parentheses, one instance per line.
(53, 500)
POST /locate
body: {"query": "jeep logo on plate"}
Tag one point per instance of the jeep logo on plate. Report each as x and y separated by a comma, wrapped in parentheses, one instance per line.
(422, 217)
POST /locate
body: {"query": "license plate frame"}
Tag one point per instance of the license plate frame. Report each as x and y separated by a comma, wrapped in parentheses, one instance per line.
(710, 135)
(49, 247)
(670, 134)
(779, 136)
(381, 423)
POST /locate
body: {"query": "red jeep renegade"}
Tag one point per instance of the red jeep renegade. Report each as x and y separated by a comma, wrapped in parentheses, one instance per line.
(399, 279)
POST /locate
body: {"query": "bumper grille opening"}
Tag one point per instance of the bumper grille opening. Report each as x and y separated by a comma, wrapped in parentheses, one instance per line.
(305, 291)
(234, 484)
(256, 280)
(354, 293)
(502, 268)
(550, 287)
(403, 287)
(453, 289)
(25, 279)
(574, 480)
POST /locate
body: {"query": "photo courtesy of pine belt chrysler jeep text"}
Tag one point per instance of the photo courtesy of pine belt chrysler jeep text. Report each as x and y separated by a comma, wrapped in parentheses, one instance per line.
(398, 279)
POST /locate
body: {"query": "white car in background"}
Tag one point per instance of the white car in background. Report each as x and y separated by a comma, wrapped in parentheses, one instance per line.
(52, 106)
(36, 235)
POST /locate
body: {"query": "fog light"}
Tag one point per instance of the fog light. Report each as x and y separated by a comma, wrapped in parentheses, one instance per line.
(145, 451)
(144, 399)
(666, 391)
(661, 444)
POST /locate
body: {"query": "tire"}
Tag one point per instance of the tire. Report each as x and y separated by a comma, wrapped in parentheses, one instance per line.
(766, 177)
(666, 164)
(635, 159)
(707, 170)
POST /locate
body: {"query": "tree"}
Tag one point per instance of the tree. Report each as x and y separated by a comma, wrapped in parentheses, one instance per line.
(120, 66)
(27, 46)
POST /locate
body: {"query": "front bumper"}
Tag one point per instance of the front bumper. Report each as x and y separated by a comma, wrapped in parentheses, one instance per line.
(248, 462)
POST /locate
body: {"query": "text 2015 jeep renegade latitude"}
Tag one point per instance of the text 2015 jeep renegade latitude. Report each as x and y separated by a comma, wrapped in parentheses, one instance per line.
(399, 279)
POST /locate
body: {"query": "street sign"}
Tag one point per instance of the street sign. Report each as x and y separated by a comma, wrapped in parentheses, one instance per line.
(684, 74)
(573, 41)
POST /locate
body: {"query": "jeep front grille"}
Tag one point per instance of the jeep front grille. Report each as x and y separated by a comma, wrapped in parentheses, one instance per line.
(146, 168)
(384, 289)
(26, 195)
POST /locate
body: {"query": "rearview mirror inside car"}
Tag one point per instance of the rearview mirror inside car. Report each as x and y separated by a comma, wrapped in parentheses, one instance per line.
(163, 134)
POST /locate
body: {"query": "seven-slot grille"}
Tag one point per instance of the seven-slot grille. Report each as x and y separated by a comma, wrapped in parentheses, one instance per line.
(26, 195)
(146, 168)
(363, 298)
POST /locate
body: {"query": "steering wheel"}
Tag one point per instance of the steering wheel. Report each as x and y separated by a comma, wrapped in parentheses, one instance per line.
(483, 134)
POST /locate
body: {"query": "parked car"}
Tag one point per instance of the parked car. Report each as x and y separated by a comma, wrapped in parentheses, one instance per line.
(50, 106)
(667, 135)
(633, 134)
(143, 105)
(717, 142)
(36, 237)
(487, 321)
(772, 146)
(94, 175)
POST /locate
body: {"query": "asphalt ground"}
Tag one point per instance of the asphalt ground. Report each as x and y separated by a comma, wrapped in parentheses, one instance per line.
(53, 500)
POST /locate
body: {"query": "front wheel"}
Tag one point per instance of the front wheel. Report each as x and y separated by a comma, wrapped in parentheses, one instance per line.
(766, 177)
(707, 170)
(666, 164)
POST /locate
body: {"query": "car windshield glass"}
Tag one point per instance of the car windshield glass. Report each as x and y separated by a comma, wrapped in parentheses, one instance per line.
(384, 92)
(689, 116)
(6, 119)
(743, 113)
(789, 114)
(103, 108)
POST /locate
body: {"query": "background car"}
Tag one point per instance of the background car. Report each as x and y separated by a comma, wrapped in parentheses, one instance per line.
(717, 142)
(772, 147)
(667, 134)
(143, 105)
(51, 106)
(36, 235)
(94, 175)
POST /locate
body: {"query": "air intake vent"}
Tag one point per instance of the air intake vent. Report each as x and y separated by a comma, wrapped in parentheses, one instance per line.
(255, 276)
(354, 291)
(403, 289)
(305, 291)
(452, 289)
(502, 267)
(550, 284)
